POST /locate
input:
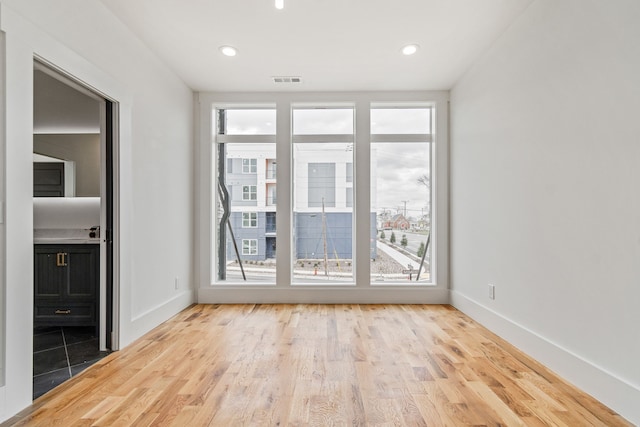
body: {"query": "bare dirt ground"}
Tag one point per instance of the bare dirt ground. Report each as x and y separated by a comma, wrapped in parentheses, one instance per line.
(383, 264)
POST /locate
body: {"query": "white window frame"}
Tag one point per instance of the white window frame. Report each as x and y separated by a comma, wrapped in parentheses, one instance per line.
(307, 138)
(408, 138)
(247, 195)
(283, 290)
(249, 246)
(251, 221)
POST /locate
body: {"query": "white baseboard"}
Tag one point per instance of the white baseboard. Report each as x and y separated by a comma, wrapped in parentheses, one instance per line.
(337, 295)
(618, 394)
(144, 322)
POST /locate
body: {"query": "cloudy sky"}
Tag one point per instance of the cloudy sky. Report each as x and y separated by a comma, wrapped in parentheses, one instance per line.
(399, 165)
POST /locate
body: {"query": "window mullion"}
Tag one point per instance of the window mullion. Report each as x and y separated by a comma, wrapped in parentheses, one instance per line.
(362, 199)
(301, 139)
(417, 137)
(283, 196)
(246, 138)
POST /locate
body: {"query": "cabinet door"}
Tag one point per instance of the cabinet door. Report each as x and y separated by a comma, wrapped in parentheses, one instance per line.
(66, 284)
(82, 265)
(50, 276)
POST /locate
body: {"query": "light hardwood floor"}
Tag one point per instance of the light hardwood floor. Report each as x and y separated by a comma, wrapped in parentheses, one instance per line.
(318, 365)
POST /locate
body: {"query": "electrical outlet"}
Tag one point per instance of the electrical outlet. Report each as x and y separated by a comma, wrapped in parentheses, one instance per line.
(492, 291)
(177, 283)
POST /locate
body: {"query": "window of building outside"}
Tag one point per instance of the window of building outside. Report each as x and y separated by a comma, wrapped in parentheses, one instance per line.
(401, 202)
(322, 215)
(323, 194)
(249, 219)
(249, 192)
(245, 214)
(249, 165)
(249, 246)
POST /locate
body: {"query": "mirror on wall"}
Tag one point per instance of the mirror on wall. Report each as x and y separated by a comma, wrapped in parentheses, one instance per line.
(66, 165)
(66, 139)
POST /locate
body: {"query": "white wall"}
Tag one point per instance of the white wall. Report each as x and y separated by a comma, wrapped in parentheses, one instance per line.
(155, 211)
(545, 200)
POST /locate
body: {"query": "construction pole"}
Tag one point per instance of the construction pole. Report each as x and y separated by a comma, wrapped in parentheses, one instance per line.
(324, 239)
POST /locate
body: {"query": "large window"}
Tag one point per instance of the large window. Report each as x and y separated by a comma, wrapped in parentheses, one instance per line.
(244, 226)
(401, 195)
(322, 217)
(357, 196)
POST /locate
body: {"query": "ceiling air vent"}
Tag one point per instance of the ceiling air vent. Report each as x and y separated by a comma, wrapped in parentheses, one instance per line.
(287, 79)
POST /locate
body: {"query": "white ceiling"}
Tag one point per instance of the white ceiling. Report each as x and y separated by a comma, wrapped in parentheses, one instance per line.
(334, 45)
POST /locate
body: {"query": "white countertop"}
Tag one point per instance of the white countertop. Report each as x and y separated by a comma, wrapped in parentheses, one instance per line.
(64, 236)
(56, 241)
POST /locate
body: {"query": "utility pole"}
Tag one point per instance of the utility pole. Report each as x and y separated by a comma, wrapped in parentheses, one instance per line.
(405, 207)
(324, 239)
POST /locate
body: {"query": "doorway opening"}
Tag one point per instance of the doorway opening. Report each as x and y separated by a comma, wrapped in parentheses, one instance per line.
(74, 161)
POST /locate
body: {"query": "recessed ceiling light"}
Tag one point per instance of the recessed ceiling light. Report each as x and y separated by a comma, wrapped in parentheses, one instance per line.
(279, 4)
(228, 50)
(410, 49)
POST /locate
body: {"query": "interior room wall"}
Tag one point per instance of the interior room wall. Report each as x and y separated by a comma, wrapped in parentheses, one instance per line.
(83, 149)
(544, 192)
(155, 178)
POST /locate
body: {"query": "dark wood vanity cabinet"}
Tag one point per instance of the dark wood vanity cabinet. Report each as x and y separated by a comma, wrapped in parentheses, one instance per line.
(66, 284)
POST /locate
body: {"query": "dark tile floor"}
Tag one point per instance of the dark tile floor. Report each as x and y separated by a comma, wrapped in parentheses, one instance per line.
(60, 353)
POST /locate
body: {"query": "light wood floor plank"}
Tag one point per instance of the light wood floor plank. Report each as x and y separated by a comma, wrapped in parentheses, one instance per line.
(318, 365)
